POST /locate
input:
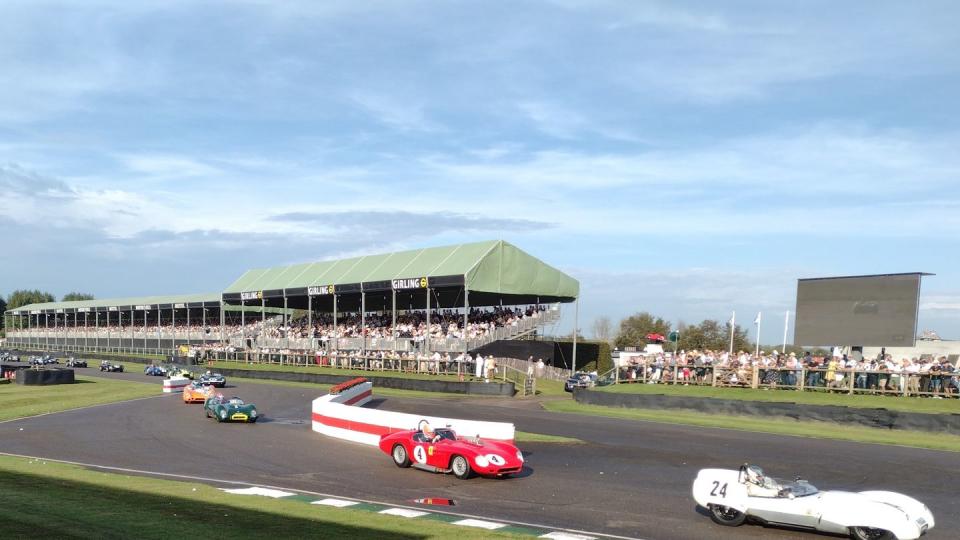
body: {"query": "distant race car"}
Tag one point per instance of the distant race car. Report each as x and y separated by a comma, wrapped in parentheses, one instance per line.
(445, 452)
(106, 365)
(177, 371)
(580, 380)
(733, 496)
(157, 371)
(73, 362)
(213, 379)
(197, 393)
(230, 410)
(45, 360)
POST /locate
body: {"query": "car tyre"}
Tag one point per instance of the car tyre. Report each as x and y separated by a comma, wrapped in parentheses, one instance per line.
(724, 515)
(400, 456)
(868, 533)
(461, 467)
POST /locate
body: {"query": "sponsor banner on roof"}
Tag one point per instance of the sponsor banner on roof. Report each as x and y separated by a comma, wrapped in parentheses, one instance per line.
(112, 308)
(83, 310)
(143, 308)
(60, 310)
(320, 290)
(410, 283)
(251, 295)
(179, 306)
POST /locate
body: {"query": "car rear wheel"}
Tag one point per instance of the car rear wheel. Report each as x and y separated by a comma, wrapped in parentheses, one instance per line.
(400, 456)
(461, 467)
(868, 533)
(724, 515)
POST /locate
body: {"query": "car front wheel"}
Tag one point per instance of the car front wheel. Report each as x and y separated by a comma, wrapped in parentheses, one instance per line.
(400, 456)
(724, 515)
(461, 467)
(868, 533)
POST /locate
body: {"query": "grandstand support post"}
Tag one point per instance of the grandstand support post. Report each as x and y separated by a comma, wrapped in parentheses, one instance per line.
(96, 335)
(131, 329)
(243, 324)
(203, 327)
(336, 340)
(86, 333)
(393, 318)
(576, 330)
(223, 321)
(363, 324)
(173, 328)
(426, 339)
(158, 328)
(46, 331)
(310, 318)
(263, 315)
(466, 313)
(286, 323)
(188, 325)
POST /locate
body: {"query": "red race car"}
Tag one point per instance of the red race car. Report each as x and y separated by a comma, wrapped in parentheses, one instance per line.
(442, 451)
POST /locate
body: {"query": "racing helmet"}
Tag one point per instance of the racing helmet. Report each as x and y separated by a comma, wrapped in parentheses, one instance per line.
(754, 474)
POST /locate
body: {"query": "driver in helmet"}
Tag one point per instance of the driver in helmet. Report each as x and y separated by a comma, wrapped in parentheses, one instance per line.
(758, 484)
(428, 433)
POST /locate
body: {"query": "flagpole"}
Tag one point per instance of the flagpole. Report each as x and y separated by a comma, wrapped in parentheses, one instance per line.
(786, 321)
(758, 321)
(733, 325)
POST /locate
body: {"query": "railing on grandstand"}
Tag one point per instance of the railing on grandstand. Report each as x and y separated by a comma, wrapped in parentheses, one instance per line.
(846, 381)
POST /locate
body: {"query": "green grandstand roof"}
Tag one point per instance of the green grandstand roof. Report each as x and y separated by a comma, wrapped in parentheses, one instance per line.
(495, 267)
(209, 298)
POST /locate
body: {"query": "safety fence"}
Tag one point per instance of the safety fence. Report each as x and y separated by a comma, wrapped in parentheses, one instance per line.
(841, 380)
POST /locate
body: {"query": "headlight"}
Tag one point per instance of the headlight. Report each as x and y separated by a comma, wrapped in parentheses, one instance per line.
(481, 461)
(253, 413)
(520, 455)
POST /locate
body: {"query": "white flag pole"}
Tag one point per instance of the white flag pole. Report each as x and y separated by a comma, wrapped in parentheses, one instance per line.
(733, 325)
(758, 321)
(786, 321)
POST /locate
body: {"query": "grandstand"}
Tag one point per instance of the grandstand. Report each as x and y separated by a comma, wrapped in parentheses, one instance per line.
(447, 299)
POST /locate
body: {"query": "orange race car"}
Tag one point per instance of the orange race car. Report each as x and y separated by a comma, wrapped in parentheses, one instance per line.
(197, 393)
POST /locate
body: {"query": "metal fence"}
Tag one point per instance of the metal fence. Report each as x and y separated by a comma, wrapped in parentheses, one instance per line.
(846, 381)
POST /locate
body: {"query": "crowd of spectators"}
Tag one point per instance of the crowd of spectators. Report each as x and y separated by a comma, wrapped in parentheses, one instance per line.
(410, 325)
(931, 376)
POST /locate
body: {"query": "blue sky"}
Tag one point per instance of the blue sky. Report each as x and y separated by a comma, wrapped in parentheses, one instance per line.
(684, 158)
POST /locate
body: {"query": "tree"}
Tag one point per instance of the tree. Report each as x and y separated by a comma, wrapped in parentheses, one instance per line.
(24, 297)
(713, 335)
(634, 329)
(74, 296)
(3, 308)
(602, 329)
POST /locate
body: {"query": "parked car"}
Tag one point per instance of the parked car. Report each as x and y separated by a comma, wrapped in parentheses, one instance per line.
(442, 451)
(735, 496)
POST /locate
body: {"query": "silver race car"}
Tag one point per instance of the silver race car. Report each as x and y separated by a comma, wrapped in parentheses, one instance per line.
(733, 496)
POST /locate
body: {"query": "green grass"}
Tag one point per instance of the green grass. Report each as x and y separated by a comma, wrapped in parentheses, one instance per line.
(44, 499)
(524, 437)
(779, 426)
(548, 387)
(17, 401)
(896, 403)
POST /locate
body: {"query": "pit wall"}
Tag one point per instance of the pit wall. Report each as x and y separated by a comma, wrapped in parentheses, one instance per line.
(342, 416)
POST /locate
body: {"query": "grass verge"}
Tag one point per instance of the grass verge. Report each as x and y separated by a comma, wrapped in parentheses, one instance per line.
(55, 500)
(778, 426)
(894, 403)
(524, 437)
(18, 401)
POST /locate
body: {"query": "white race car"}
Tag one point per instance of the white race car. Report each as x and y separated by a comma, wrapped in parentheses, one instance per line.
(733, 496)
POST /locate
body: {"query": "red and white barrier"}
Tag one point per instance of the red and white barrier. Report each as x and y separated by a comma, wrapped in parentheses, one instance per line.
(175, 385)
(341, 416)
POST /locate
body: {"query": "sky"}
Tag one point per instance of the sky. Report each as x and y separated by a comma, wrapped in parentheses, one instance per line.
(683, 158)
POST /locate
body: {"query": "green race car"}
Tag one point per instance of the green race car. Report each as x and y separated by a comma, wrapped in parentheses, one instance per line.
(230, 409)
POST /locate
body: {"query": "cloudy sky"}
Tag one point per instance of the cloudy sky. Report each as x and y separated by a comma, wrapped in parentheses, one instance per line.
(685, 158)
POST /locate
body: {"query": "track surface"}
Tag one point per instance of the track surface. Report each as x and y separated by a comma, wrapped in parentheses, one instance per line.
(629, 479)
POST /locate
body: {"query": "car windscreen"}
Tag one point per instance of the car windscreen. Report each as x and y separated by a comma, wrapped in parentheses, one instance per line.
(798, 489)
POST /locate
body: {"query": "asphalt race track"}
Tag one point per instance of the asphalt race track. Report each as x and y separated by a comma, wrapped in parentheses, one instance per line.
(629, 479)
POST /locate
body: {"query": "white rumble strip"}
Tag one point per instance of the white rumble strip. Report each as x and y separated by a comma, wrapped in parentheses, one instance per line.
(338, 503)
(489, 525)
(403, 512)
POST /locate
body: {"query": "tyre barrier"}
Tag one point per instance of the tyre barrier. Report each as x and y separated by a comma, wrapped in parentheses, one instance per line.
(342, 416)
(45, 377)
(841, 415)
(175, 385)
